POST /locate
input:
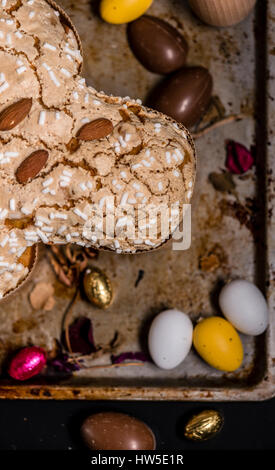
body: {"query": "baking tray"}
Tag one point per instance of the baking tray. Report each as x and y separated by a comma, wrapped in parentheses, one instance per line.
(240, 61)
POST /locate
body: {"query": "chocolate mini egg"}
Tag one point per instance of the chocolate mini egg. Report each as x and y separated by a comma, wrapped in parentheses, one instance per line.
(123, 11)
(243, 304)
(97, 287)
(184, 96)
(170, 338)
(116, 431)
(157, 45)
(218, 343)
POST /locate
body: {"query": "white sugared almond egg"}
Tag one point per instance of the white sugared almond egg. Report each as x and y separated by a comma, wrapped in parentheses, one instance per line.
(243, 304)
(170, 338)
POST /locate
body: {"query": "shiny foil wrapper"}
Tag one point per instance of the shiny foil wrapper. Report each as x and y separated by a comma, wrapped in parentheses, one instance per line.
(27, 363)
(204, 425)
(98, 288)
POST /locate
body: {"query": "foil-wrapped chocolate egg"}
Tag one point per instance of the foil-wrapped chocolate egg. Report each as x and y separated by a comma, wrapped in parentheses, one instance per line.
(27, 363)
(97, 287)
(116, 431)
(184, 96)
(204, 425)
(157, 45)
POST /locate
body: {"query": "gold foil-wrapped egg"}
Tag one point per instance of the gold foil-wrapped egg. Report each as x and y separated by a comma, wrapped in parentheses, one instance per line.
(97, 287)
(204, 425)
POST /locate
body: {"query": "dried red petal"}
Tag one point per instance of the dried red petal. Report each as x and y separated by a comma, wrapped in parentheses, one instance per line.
(239, 159)
(27, 363)
(129, 356)
(61, 364)
(81, 336)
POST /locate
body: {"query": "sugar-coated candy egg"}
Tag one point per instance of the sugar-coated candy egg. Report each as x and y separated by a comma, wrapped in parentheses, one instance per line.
(116, 431)
(157, 45)
(218, 343)
(243, 304)
(170, 338)
(123, 11)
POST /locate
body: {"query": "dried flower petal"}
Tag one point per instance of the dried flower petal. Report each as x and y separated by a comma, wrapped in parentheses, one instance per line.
(90, 252)
(81, 336)
(63, 272)
(61, 363)
(222, 182)
(58, 253)
(49, 304)
(41, 297)
(131, 356)
(76, 257)
(239, 159)
(209, 263)
(245, 214)
(69, 261)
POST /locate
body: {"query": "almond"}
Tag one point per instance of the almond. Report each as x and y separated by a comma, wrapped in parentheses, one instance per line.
(31, 166)
(96, 129)
(14, 114)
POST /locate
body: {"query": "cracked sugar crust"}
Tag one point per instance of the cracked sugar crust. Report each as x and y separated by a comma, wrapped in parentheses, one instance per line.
(147, 159)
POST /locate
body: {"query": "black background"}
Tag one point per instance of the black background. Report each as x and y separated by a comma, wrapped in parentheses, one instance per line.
(53, 425)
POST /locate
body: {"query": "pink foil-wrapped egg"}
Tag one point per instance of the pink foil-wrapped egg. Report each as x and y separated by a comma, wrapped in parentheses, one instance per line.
(27, 363)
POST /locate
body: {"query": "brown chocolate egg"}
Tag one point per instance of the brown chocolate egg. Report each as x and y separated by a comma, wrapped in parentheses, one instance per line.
(157, 45)
(184, 96)
(116, 431)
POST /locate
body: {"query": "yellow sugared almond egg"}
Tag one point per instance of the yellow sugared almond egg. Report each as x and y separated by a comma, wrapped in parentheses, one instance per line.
(123, 11)
(218, 343)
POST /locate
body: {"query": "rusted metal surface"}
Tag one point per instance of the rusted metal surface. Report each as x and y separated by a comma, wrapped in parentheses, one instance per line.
(241, 240)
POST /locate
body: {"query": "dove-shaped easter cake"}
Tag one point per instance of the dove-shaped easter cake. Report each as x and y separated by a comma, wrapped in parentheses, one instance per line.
(68, 151)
